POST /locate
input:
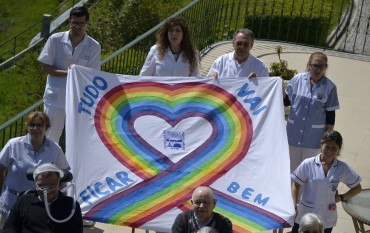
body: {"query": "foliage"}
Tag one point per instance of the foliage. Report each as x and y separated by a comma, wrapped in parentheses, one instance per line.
(21, 86)
(281, 68)
(19, 25)
(120, 22)
(307, 22)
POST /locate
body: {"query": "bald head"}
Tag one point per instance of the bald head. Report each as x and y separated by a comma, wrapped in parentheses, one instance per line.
(202, 190)
(203, 203)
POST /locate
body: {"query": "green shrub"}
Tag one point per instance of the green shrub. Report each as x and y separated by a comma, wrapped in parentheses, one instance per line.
(280, 68)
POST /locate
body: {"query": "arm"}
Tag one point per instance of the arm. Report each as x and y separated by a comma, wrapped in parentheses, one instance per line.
(228, 226)
(330, 120)
(94, 59)
(252, 75)
(76, 222)
(13, 223)
(295, 191)
(287, 93)
(55, 72)
(348, 195)
(148, 68)
(4, 162)
(196, 71)
(286, 99)
(265, 71)
(215, 68)
(262, 72)
(329, 127)
(179, 226)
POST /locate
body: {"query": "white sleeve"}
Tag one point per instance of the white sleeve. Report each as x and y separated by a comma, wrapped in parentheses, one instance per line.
(300, 174)
(5, 155)
(149, 65)
(196, 71)
(94, 60)
(47, 53)
(264, 71)
(215, 67)
(350, 178)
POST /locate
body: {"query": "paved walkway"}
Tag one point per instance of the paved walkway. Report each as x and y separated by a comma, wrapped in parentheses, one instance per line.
(351, 75)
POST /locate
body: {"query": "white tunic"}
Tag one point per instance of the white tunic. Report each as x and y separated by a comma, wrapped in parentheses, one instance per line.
(168, 66)
(58, 52)
(319, 190)
(227, 66)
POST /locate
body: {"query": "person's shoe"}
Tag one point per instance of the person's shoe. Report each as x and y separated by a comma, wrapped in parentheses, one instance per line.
(88, 223)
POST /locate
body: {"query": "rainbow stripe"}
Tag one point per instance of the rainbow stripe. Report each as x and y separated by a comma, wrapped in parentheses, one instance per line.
(166, 184)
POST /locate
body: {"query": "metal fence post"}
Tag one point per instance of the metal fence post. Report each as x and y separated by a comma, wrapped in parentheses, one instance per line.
(45, 27)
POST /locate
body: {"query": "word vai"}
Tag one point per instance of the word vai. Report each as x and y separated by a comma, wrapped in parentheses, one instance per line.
(253, 101)
(108, 186)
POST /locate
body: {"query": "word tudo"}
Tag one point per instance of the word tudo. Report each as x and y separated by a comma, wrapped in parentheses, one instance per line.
(253, 101)
(248, 194)
(91, 93)
(108, 186)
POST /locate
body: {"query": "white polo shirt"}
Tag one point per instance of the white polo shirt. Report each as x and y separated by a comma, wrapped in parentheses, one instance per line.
(58, 52)
(319, 190)
(168, 66)
(227, 66)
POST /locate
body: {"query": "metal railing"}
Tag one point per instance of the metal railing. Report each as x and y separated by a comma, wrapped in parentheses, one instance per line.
(21, 40)
(308, 22)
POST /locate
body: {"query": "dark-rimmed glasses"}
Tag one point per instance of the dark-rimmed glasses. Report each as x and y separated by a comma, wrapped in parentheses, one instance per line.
(318, 66)
(37, 125)
(79, 24)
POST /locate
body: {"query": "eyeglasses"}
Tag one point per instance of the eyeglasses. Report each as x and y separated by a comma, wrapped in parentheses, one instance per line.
(80, 24)
(37, 125)
(241, 44)
(318, 66)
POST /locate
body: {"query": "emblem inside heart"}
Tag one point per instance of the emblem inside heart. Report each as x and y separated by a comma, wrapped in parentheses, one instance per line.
(151, 129)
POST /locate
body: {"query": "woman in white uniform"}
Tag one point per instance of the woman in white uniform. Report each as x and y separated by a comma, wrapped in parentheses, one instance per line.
(174, 54)
(22, 153)
(320, 176)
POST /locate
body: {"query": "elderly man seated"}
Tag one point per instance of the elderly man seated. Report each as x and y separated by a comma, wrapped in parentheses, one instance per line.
(201, 215)
(45, 209)
(311, 222)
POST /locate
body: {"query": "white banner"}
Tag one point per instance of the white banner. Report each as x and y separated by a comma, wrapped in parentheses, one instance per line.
(138, 146)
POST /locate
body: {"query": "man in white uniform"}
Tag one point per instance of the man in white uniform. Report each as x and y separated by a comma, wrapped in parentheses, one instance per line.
(62, 50)
(239, 63)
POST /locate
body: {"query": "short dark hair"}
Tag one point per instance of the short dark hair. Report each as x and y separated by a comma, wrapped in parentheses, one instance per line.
(79, 12)
(332, 136)
(246, 32)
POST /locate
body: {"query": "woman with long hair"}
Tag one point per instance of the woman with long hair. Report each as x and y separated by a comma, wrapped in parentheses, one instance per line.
(174, 53)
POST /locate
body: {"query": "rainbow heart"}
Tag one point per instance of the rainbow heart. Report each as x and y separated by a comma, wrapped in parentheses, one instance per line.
(167, 184)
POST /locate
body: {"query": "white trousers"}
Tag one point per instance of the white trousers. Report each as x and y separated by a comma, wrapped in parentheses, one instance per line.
(298, 154)
(57, 118)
